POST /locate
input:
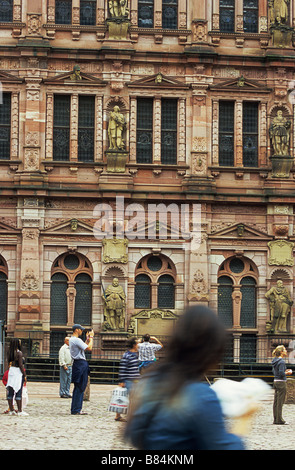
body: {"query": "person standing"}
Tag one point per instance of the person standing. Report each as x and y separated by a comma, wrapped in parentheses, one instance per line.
(147, 351)
(80, 369)
(128, 369)
(65, 372)
(16, 377)
(280, 383)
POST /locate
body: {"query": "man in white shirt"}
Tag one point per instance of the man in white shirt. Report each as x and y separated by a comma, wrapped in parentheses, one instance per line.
(65, 371)
(146, 351)
(80, 371)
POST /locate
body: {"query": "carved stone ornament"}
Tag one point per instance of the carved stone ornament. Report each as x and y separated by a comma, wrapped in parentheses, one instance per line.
(281, 253)
(30, 281)
(115, 250)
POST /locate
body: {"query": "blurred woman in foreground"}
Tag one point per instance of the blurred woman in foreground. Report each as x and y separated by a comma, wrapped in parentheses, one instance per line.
(173, 407)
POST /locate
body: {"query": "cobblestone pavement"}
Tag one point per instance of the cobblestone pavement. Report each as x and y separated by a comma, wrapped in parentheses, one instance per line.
(50, 426)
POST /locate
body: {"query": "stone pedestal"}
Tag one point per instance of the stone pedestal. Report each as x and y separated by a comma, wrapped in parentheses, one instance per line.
(116, 161)
(118, 28)
(290, 397)
(281, 36)
(281, 166)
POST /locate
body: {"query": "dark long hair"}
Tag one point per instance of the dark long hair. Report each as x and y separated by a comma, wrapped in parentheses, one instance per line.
(14, 345)
(196, 345)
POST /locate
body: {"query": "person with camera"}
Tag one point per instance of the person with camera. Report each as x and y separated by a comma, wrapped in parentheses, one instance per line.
(80, 369)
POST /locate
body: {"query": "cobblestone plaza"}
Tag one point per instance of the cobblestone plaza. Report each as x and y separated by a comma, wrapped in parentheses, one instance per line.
(49, 425)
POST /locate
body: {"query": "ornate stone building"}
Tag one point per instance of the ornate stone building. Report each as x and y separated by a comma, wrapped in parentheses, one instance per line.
(140, 120)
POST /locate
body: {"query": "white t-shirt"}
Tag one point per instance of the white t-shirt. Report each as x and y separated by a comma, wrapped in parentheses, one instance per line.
(77, 348)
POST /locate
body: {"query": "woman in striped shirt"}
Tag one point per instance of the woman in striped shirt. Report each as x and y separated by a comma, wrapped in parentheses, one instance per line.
(128, 370)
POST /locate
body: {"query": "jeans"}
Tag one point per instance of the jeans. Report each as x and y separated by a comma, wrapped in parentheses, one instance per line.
(80, 373)
(65, 377)
(18, 395)
(280, 389)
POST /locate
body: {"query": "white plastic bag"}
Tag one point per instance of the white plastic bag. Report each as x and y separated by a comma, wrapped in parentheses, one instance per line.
(119, 400)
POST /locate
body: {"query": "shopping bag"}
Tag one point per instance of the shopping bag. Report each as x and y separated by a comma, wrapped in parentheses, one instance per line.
(119, 400)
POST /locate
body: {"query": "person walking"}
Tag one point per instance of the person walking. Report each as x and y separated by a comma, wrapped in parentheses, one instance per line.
(16, 377)
(280, 383)
(80, 369)
(147, 350)
(173, 407)
(65, 371)
(128, 369)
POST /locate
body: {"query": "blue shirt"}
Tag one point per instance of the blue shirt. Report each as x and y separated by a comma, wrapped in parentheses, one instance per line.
(192, 421)
(77, 348)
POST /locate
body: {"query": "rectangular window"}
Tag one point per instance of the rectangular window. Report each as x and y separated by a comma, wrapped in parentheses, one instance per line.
(250, 13)
(61, 127)
(250, 134)
(144, 135)
(226, 133)
(86, 128)
(6, 11)
(88, 12)
(169, 131)
(63, 11)
(169, 14)
(5, 126)
(227, 16)
(145, 13)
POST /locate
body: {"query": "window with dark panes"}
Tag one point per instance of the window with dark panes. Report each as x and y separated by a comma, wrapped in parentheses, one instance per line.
(83, 303)
(225, 302)
(63, 11)
(144, 134)
(250, 134)
(88, 12)
(6, 11)
(58, 299)
(5, 126)
(86, 128)
(226, 133)
(250, 13)
(145, 13)
(227, 16)
(61, 127)
(248, 303)
(169, 14)
(166, 294)
(3, 297)
(142, 292)
(169, 131)
(248, 347)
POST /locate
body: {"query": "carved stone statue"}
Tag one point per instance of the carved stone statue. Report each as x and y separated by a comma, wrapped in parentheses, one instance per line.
(279, 11)
(114, 311)
(76, 74)
(116, 127)
(279, 132)
(118, 8)
(280, 306)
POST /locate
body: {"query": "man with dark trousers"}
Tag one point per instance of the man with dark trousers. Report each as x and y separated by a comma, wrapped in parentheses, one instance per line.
(80, 370)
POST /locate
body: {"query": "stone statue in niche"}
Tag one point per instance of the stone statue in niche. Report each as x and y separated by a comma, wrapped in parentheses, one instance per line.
(280, 302)
(279, 132)
(279, 11)
(118, 8)
(117, 124)
(114, 309)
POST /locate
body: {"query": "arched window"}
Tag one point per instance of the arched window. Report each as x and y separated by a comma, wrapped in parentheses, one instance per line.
(248, 302)
(71, 291)
(3, 297)
(225, 304)
(58, 299)
(83, 304)
(142, 293)
(155, 283)
(166, 292)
